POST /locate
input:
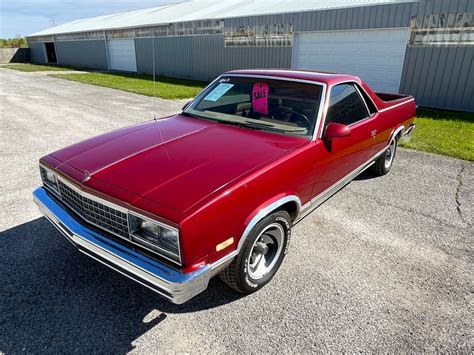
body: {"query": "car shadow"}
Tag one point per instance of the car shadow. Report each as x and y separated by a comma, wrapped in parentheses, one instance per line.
(366, 175)
(55, 299)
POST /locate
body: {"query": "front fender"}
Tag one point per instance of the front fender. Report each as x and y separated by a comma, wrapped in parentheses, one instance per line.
(263, 210)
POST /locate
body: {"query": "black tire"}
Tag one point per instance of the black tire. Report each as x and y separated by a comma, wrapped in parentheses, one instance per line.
(384, 163)
(239, 275)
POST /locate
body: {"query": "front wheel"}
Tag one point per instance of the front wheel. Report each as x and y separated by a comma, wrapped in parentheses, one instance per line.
(384, 163)
(261, 254)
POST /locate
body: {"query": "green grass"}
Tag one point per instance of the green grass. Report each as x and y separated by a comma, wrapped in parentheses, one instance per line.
(166, 88)
(35, 67)
(444, 132)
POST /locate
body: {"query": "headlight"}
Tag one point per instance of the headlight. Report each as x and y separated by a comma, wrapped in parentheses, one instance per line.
(49, 178)
(164, 240)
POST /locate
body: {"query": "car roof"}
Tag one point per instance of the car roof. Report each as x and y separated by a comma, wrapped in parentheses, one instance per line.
(322, 77)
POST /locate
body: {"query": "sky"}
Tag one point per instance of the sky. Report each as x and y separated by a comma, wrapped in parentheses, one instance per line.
(25, 17)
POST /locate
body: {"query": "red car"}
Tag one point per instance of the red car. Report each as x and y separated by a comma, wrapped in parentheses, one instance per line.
(216, 189)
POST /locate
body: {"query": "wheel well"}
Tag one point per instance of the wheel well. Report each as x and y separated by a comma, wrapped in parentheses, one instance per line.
(398, 134)
(292, 209)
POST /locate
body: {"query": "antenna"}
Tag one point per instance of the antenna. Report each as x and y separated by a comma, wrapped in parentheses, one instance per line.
(154, 75)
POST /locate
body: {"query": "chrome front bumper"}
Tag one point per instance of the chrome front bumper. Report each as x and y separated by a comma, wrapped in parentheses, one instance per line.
(172, 284)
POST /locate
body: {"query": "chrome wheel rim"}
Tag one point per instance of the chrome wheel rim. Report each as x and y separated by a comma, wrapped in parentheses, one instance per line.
(389, 154)
(265, 251)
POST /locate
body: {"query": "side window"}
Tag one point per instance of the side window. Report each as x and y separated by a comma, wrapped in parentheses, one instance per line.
(368, 101)
(345, 105)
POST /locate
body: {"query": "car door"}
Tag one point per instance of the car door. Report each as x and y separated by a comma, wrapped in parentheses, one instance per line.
(338, 157)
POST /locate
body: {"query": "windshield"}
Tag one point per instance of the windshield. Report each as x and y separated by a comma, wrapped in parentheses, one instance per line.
(281, 106)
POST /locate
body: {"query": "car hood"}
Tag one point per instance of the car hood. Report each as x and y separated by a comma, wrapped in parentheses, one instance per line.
(176, 162)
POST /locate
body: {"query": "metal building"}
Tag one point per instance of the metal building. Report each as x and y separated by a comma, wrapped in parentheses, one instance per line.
(419, 47)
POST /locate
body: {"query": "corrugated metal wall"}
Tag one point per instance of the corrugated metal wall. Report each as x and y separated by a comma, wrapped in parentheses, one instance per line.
(88, 54)
(436, 76)
(440, 76)
(37, 52)
(229, 58)
(394, 15)
(204, 57)
(173, 56)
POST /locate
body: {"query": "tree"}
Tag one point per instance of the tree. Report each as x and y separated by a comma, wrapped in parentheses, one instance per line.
(17, 41)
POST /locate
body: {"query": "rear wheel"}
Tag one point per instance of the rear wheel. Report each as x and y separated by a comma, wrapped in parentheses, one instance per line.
(384, 163)
(261, 254)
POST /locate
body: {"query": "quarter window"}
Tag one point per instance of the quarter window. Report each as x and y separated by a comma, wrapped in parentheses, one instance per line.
(368, 101)
(345, 105)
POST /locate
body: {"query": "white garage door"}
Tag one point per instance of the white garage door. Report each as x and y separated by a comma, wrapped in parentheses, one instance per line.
(122, 55)
(376, 56)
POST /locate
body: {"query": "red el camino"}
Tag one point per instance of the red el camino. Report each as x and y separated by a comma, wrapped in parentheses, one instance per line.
(216, 189)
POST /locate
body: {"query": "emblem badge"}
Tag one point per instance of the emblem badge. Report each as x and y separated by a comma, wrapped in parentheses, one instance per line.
(87, 176)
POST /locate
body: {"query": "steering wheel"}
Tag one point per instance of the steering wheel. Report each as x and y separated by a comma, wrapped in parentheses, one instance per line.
(298, 114)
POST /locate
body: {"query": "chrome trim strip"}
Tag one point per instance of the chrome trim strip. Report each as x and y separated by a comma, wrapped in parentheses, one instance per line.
(331, 190)
(401, 103)
(409, 130)
(222, 263)
(303, 211)
(172, 284)
(282, 78)
(117, 207)
(365, 102)
(264, 212)
(395, 132)
(201, 93)
(322, 109)
(360, 87)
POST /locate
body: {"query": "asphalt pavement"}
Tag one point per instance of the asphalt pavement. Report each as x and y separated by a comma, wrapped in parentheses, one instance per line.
(385, 265)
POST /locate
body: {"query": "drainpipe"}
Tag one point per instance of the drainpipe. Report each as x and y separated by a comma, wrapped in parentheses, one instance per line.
(106, 51)
(55, 50)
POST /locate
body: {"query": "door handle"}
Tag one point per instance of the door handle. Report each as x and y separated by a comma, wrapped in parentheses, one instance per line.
(373, 133)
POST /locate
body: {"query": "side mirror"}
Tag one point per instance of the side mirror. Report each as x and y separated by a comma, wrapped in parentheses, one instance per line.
(186, 105)
(336, 130)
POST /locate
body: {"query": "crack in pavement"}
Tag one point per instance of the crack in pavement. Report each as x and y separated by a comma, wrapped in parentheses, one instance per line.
(457, 195)
(404, 209)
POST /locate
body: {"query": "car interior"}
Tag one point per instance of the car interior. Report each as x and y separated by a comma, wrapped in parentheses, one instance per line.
(287, 106)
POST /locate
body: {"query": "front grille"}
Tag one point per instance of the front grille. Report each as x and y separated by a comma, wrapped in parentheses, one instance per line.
(94, 212)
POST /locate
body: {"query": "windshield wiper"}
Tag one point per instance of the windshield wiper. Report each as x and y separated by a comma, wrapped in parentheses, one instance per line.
(187, 114)
(260, 126)
(235, 123)
(232, 123)
(247, 123)
(268, 126)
